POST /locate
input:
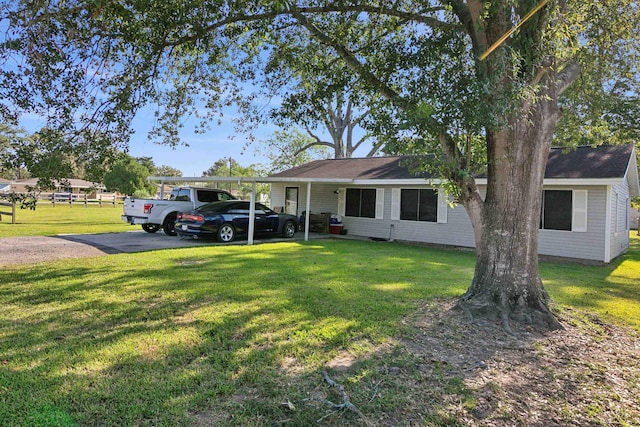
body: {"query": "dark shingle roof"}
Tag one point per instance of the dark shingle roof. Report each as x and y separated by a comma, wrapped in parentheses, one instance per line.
(605, 161)
(352, 168)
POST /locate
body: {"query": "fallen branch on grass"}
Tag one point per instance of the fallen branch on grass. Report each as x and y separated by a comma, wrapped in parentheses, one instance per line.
(346, 402)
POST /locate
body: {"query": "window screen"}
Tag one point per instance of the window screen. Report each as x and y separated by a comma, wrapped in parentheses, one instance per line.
(556, 210)
(419, 205)
(360, 202)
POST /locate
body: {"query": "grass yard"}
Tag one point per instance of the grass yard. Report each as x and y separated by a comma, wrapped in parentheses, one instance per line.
(239, 335)
(48, 220)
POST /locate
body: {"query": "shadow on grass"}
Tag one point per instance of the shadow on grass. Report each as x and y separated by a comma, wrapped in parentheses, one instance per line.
(147, 338)
(154, 338)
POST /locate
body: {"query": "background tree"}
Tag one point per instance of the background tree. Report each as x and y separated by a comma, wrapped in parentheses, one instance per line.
(228, 167)
(165, 170)
(128, 176)
(11, 167)
(317, 95)
(92, 65)
(286, 150)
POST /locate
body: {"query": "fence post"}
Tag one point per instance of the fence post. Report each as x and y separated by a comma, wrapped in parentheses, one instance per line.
(12, 213)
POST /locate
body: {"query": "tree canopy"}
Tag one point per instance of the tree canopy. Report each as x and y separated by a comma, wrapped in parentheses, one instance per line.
(228, 167)
(290, 149)
(129, 176)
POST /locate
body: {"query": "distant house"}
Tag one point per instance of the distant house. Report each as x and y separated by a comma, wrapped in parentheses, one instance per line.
(72, 186)
(586, 213)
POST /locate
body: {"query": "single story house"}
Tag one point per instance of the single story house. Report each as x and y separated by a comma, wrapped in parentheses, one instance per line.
(586, 201)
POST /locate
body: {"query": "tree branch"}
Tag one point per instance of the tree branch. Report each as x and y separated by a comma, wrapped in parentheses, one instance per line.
(317, 142)
(419, 17)
(353, 62)
(567, 76)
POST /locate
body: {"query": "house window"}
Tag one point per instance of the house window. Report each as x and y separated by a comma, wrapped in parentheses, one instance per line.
(360, 202)
(419, 205)
(557, 210)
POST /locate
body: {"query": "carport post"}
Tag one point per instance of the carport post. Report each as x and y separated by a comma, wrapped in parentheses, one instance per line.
(252, 214)
(308, 215)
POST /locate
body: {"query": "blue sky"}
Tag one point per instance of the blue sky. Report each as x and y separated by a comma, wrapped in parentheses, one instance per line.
(221, 141)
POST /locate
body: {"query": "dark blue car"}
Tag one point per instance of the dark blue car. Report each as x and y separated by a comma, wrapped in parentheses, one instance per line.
(227, 219)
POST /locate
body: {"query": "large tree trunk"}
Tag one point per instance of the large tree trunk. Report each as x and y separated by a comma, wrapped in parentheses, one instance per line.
(507, 284)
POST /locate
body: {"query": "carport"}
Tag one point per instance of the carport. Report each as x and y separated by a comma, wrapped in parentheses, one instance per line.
(253, 181)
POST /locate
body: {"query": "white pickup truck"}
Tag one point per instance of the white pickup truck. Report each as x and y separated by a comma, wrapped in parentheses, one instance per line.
(154, 214)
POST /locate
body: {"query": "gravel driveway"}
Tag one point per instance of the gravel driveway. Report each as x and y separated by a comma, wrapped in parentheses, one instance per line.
(34, 249)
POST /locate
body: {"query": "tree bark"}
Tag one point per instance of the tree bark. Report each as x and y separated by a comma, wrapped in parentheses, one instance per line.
(507, 284)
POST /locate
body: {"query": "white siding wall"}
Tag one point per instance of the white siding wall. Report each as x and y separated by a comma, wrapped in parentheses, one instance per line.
(457, 229)
(577, 244)
(323, 198)
(619, 230)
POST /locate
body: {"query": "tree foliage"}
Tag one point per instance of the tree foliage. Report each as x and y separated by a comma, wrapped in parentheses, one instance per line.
(228, 167)
(316, 94)
(165, 170)
(286, 150)
(129, 176)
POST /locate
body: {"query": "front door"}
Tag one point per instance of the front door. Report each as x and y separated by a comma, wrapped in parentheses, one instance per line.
(291, 200)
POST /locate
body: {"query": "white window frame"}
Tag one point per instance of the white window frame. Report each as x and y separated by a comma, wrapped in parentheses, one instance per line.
(443, 205)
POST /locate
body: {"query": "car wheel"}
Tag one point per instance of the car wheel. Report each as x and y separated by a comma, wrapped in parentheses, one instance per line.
(169, 225)
(150, 228)
(289, 229)
(226, 233)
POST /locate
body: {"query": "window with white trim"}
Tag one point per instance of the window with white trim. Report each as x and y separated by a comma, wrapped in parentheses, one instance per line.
(418, 204)
(564, 210)
(360, 202)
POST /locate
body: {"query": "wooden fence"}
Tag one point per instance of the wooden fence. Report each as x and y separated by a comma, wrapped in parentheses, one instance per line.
(83, 199)
(12, 213)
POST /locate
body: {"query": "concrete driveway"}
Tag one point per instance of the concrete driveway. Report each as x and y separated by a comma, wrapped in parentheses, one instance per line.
(34, 249)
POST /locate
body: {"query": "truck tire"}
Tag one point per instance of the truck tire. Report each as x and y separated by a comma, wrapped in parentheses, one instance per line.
(169, 224)
(150, 228)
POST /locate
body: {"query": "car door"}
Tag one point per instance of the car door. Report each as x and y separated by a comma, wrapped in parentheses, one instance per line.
(239, 213)
(261, 223)
(268, 219)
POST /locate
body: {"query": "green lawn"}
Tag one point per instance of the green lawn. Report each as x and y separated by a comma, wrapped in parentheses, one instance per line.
(48, 220)
(157, 338)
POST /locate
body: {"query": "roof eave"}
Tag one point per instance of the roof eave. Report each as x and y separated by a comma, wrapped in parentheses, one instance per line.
(632, 174)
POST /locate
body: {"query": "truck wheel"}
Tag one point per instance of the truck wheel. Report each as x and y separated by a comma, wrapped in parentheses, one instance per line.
(289, 229)
(226, 233)
(169, 225)
(150, 228)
